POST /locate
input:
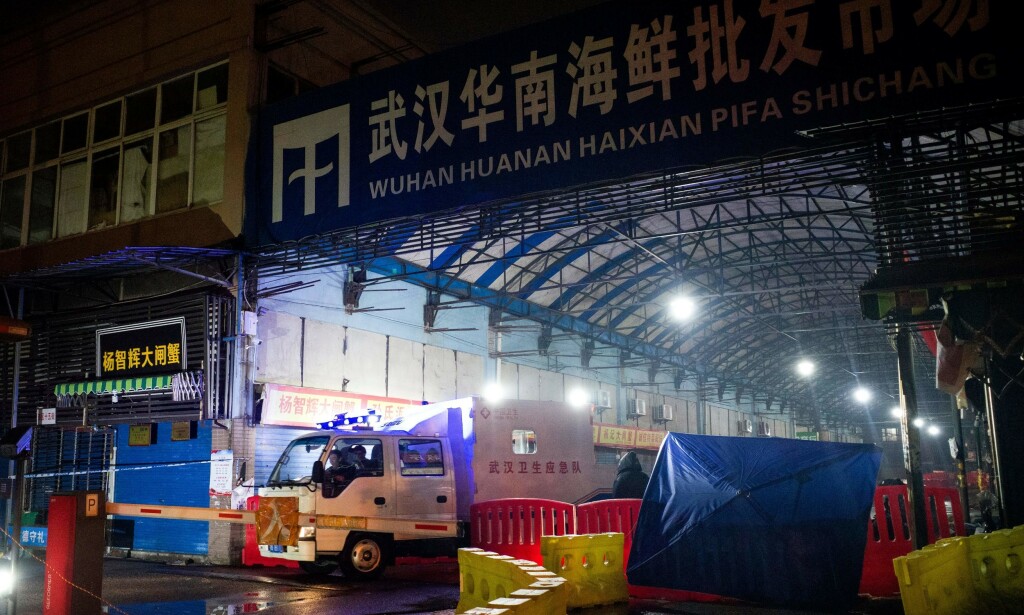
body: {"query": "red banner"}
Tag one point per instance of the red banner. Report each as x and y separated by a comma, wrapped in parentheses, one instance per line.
(304, 407)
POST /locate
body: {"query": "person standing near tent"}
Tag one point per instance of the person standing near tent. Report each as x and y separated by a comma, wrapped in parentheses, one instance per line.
(630, 479)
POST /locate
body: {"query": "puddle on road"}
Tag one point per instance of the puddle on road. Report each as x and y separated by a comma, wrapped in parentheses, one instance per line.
(194, 607)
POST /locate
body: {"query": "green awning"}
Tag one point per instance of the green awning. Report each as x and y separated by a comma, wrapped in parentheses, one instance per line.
(119, 385)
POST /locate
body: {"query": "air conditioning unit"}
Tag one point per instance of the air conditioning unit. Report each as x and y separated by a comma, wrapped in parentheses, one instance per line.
(744, 426)
(764, 428)
(637, 407)
(663, 413)
(604, 399)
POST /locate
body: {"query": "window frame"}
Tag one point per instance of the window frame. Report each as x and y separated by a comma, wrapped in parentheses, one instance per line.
(421, 445)
(91, 149)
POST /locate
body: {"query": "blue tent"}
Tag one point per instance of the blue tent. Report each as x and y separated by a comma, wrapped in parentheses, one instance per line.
(765, 520)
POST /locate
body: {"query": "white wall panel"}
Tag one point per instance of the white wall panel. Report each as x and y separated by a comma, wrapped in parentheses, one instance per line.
(550, 387)
(509, 379)
(278, 356)
(405, 369)
(720, 421)
(323, 364)
(528, 382)
(438, 373)
(365, 363)
(570, 382)
(469, 374)
(692, 424)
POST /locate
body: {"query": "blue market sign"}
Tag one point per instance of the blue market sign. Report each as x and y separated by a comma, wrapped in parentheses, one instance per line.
(621, 90)
(153, 347)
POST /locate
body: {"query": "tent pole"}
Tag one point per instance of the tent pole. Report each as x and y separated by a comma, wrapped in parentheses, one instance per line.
(911, 438)
(996, 480)
(960, 459)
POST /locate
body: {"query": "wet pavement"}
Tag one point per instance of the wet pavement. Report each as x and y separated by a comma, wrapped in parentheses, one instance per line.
(137, 587)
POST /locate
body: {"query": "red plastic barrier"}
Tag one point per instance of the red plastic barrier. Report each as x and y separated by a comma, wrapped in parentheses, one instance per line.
(889, 532)
(251, 550)
(514, 526)
(620, 515)
(945, 515)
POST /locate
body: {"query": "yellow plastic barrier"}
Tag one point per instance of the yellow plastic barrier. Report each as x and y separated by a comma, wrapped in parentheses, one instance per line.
(983, 573)
(490, 584)
(592, 565)
(997, 568)
(936, 580)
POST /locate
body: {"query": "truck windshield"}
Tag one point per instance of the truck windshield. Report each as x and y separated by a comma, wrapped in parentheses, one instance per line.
(295, 467)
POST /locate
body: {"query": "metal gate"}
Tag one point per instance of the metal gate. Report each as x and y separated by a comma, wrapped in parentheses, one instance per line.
(66, 460)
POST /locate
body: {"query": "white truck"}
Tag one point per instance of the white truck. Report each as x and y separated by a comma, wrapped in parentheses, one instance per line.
(327, 505)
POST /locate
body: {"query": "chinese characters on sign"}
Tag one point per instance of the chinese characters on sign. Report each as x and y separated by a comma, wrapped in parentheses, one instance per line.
(616, 436)
(506, 414)
(183, 430)
(304, 407)
(47, 416)
(221, 472)
(611, 435)
(616, 91)
(156, 347)
(646, 438)
(138, 357)
(495, 466)
(34, 537)
(141, 435)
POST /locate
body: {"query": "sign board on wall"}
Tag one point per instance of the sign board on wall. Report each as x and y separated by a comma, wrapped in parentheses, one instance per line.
(184, 430)
(612, 92)
(47, 416)
(141, 435)
(619, 436)
(305, 407)
(34, 537)
(221, 472)
(14, 330)
(154, 347)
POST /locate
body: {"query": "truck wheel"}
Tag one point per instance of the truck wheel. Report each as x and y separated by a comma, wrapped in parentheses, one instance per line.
(364, 557)
(320, 568)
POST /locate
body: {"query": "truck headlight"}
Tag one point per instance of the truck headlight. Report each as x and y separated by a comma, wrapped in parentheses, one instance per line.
(307, 532)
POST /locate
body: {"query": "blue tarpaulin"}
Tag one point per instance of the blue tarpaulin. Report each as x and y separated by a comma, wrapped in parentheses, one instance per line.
(765, 520)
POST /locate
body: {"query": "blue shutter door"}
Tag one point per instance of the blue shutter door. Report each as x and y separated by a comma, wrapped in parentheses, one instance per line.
(170, 474)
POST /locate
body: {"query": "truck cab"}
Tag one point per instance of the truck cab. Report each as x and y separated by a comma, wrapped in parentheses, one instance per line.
(373, 496)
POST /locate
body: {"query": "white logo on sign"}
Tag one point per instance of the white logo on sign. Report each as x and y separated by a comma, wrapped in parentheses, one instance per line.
(304, 134)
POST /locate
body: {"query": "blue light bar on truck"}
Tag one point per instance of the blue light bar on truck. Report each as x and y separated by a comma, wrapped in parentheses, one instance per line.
(351, 420)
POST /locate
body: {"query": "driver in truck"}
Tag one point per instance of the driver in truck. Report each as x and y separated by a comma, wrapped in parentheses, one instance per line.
(339, 469)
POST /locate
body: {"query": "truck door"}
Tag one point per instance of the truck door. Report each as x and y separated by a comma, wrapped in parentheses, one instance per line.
(426, 485)
(359, 482)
